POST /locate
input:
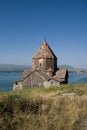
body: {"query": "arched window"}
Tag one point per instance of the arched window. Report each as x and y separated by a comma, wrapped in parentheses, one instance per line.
(51, 82)
(40, 64)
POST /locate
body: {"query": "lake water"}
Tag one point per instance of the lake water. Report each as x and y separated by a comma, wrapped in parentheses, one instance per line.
(8, 78)
(77, 78)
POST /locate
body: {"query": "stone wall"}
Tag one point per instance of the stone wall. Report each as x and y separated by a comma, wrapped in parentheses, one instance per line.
(39, 64)
(44, 64)
(34, 80)
(50, 63)
(51, 83)
(17, 85)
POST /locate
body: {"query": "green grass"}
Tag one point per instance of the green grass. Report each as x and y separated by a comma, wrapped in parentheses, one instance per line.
(44, 108)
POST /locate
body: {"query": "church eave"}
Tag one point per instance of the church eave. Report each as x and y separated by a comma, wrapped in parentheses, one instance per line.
(44, 58)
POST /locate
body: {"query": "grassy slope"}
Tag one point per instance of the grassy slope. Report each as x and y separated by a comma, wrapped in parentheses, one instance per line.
(44, 109)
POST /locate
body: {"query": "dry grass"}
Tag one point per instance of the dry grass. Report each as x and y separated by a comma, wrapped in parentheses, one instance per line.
(45, 109)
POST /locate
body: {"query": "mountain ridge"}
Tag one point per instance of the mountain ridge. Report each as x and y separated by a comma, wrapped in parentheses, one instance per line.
(13, 67)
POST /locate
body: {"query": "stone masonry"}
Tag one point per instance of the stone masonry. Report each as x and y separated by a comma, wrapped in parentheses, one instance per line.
(44, 72)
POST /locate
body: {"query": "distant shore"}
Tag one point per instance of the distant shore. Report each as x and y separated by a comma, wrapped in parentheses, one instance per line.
(78, 71)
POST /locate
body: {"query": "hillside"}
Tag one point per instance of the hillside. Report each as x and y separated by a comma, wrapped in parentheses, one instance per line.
(74, 70)
(10, 67)
(67, 67)
(56, 108)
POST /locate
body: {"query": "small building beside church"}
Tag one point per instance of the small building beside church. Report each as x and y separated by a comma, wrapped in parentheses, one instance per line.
(44, 72)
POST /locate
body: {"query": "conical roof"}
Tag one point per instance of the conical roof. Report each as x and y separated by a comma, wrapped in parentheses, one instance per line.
(44, 51)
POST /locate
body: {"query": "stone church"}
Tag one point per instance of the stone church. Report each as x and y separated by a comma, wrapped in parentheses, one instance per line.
(44, 72)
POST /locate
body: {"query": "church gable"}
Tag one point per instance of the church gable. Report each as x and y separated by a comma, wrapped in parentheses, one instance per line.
(33, 80)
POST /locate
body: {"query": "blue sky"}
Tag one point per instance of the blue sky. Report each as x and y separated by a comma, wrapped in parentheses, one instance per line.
(25, 23)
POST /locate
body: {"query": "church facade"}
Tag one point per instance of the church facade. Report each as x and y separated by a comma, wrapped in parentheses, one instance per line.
(44, 72)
